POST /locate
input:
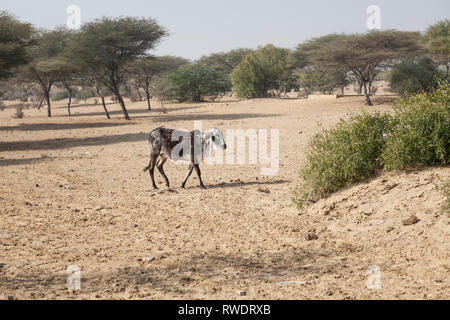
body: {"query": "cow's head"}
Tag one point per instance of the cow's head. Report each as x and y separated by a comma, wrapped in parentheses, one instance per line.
(213, 138)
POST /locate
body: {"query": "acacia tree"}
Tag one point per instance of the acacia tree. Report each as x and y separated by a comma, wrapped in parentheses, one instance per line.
(259, 72)
(107, 46)
(47, 61)
(15, 38)
(364, 55)
(437, 41)
(143, 71)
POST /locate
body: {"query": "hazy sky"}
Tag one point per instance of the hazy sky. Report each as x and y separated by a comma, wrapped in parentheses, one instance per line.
(201, 27)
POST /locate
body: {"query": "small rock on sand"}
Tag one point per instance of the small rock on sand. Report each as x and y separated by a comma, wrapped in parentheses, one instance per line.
(411, 220)
(308, 236)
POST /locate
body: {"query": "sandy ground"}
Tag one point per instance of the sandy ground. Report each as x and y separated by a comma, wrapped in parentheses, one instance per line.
(72, 192)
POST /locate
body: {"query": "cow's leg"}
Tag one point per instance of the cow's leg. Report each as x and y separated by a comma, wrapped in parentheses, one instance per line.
(197, 169)
(191, 167)
(151, 167)
(160, 165)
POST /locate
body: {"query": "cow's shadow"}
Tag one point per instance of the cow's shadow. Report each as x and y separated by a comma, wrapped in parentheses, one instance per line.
(239, 184)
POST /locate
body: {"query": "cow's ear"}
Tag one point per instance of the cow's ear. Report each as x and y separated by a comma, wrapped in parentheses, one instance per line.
(207, 135)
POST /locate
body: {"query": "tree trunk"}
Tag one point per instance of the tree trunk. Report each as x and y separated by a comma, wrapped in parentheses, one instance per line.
(97, 90)
(122, 104)
(446, 76)
(41, 101)
(84, 94)
(69, 89)
(147, 93)
(360, 88)
(113, 86)
(366, 94)
(47, 98)
(139, 93)
(104, 107)
(370, 88)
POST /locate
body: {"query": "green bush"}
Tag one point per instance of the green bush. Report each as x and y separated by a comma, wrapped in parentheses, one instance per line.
(19, 112)
(346, 154)
(196, 82)
(411, 76)
(259, 72)
(421, 136)
(417, 135)
(60, 95)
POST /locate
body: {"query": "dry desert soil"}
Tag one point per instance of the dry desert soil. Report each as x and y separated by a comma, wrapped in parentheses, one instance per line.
(72, 192)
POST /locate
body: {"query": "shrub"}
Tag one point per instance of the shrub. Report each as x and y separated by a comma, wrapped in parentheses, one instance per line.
(60, 95)
(311, 80)
(76, 94)
(417, 135)
(19, 112)
(410, 76)
(346, 154)
(421, 136)
(163, 89)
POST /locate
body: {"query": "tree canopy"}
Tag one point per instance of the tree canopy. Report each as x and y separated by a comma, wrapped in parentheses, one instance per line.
(259, 72)
(412, 76)
(437, 41)
(108, 45)
(196, 82)
(225, 62)
(15, 38)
